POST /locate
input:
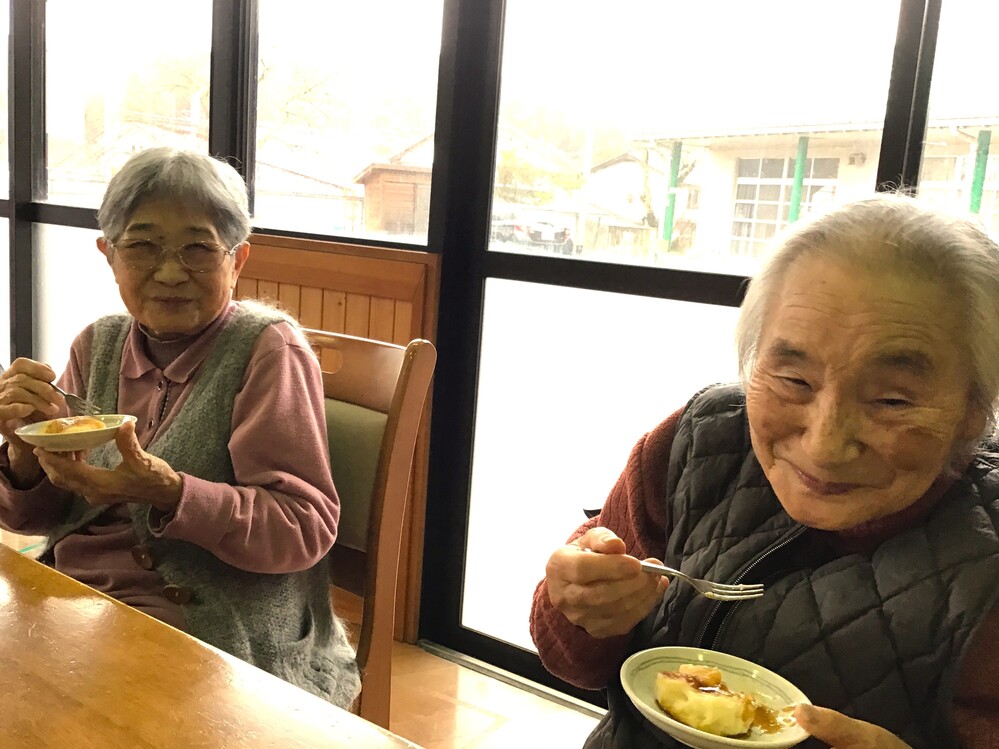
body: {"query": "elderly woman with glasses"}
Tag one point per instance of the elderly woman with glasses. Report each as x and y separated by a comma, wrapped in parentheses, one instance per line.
(853, 472)
(215, 511)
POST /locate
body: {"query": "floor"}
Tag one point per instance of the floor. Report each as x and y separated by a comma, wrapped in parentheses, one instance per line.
(439, 704)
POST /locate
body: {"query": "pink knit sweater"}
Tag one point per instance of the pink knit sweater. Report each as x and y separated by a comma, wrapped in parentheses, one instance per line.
(280, 515)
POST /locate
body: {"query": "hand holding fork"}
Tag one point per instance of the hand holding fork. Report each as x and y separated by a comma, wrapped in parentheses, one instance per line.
(31, 376)
(599, 587)
(707, 588)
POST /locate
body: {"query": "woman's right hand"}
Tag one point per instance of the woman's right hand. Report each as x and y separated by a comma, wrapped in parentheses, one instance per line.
(606, 593)
(26, 394)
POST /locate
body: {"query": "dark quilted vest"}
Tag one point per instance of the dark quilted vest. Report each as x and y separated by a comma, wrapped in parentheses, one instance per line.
(879, 637)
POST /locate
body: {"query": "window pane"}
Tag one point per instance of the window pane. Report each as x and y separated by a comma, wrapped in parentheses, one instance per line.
(131, 86)
(749, 167)
(769, 192)
(772, 168)
(345, 116)
(4, 292)
(825, 168)
(557, 417)
(767, 211)
(4, 170)
(591, 138)
(960, 167)
(56, 249)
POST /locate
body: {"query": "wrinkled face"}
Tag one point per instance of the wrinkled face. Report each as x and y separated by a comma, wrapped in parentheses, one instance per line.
(860, 392)
(170, 300)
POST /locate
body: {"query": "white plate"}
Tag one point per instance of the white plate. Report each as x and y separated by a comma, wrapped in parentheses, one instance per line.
(638, 676)
(60, 443)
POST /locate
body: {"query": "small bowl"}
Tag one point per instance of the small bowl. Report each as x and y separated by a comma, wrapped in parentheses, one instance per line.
(61, 443)
(638, 677)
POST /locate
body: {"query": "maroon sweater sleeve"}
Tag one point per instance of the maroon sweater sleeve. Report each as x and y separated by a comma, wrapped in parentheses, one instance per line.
(635, 511)
(976, 701)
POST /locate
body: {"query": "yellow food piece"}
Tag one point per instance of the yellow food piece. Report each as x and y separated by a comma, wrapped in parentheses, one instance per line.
(72, 424)
(697, 696)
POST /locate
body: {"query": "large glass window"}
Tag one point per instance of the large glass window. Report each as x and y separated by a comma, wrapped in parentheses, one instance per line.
(960, 166)
(770, 194)
(4, 191)
(569, 380)
(131, 80)
(67, 260)
(669, 134)
(345, 116)
(4, 167)
(4, 292)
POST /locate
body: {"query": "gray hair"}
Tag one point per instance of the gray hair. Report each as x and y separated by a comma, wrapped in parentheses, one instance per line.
(187, 177)
(894, 234)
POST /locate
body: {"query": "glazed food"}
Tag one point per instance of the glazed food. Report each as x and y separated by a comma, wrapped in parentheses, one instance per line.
(72, 424)
(697, 696)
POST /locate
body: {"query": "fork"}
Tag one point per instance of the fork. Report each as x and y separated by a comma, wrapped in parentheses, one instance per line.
(77, 406)
(708, 589)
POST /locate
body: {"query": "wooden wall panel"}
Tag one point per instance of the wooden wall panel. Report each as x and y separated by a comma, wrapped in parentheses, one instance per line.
(403, 322)
(311, 315)
(246, 288)
(381, 321)
(358, 315)
(334, 311)
(375, 292)
(290, 298)
(267, 290)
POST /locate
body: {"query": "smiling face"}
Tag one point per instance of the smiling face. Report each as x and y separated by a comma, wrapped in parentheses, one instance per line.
(860, 392)
(169, 300)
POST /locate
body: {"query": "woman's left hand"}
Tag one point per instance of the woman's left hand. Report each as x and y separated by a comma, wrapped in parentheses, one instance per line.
(140, 477)
(842, 732)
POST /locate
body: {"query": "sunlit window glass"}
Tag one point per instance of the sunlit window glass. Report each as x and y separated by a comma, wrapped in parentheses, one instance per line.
(684, 134)
(960, 167)
(345, 116)
(119, 79)
(4, 173)
(568, 381)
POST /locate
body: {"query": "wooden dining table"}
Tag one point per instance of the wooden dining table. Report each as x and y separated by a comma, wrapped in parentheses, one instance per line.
(79, 670)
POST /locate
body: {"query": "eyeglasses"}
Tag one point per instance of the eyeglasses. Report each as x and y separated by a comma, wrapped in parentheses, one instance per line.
(197, 257)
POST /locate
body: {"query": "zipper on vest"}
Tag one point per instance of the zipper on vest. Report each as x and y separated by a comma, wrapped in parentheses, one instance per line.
(797, 532)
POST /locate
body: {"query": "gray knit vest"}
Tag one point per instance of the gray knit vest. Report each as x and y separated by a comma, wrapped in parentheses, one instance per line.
(879, 636)
(282, 623)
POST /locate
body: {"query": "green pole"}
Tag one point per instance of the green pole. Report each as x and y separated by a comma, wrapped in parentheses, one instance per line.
(674, 177)
(799, 178)
(981, 162)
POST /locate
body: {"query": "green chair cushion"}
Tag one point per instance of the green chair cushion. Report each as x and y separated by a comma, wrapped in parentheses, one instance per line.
(355, 440)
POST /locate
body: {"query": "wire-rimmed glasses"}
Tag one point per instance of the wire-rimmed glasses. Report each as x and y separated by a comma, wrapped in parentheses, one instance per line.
(197, 257)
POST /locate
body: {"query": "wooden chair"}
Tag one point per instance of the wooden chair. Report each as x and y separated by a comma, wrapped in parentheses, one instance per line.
(375, 393)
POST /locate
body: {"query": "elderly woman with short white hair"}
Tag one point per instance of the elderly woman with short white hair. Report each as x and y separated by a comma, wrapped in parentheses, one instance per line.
(852, 472)
(215, 511)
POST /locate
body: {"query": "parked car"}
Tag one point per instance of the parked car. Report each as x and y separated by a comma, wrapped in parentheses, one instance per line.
(542, 231)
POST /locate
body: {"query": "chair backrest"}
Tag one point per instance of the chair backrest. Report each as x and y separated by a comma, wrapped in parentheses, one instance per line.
(375, 393)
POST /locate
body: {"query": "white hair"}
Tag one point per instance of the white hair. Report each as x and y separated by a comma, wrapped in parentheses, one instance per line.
(189, 178)
(894, 234)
